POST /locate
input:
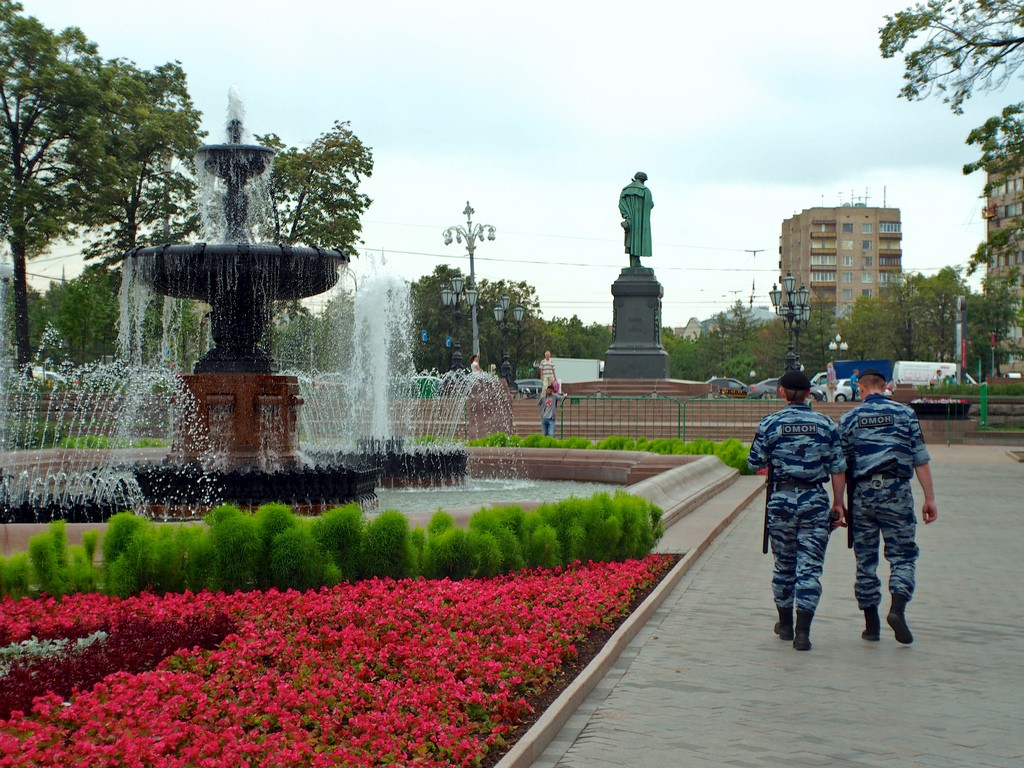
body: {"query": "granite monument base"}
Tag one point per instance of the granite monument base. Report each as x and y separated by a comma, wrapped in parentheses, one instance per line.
(636, 351)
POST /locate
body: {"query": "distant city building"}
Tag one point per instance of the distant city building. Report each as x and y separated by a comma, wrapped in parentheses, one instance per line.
(692, 330)
(842, 253)
(1004, 207)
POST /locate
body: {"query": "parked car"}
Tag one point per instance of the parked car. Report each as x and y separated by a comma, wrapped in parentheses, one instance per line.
(770, 388)
(764, 389)
(724, 387)
(843, 391)
(529, 387)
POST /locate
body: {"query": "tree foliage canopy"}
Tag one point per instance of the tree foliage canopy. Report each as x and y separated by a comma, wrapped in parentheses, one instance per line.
(144, 187)
(316, 190)
(955, 47)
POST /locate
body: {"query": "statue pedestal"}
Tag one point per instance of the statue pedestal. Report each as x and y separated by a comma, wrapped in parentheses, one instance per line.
(636, 351)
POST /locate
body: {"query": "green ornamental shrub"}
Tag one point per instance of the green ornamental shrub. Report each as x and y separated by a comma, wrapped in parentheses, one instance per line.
(271, 520)
(387, 548)
(485, 553)
(121, 529)
(47, 571)
(542, 548)
(447, 555)
(16, 575)
(236, 548)
(295, 560)
(339, 535)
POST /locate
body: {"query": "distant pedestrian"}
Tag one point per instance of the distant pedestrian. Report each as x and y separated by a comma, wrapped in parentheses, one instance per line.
(884, 447)
(474, 364)
(855, 384)
(548, 404)
(801, 450)
(547, 370)
(936, 380)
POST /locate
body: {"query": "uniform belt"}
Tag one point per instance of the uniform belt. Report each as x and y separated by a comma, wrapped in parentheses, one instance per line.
(878, 479)
(796, 485)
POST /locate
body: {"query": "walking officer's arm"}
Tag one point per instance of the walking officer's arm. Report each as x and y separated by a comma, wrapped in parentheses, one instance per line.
(929, 511)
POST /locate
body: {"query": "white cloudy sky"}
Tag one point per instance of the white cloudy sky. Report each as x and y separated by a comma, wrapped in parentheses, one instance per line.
(539, 113)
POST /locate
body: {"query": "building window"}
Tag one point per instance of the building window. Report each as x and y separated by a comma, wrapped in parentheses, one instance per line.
(847, 226)
(847, 277)
(865, 245)
(865, 277)
(848, 294)
(866, 292)
(823, 260)
(847, 261)
(823, 277)
(847, 245)
(890, 227)
(867, 261)
(865, 229)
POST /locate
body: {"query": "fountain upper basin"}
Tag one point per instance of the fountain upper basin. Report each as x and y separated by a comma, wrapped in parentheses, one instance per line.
(207, 271)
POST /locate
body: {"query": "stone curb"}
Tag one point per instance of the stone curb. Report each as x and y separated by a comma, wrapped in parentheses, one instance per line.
(532, 744)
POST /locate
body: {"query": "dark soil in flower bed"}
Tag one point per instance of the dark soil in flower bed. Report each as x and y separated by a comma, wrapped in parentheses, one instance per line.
(586, 650)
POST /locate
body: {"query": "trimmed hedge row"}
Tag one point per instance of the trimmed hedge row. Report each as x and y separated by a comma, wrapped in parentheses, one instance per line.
(732, 452)
(273, 547)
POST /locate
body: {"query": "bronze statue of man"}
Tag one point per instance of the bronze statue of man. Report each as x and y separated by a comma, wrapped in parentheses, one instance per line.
(635, 204)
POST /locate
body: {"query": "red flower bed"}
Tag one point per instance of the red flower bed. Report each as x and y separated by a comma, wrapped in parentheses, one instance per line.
(378, 673)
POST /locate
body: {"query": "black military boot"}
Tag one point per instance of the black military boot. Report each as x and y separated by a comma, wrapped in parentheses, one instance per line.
(802, 638)
(872, 624)
(784, 626)
(898, 621)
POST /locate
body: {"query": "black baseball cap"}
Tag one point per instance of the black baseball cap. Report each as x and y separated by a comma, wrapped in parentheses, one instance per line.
(873, 372)
(794, 380)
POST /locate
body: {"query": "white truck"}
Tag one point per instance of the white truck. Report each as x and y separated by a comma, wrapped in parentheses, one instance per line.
(570, 369)
(917, 373)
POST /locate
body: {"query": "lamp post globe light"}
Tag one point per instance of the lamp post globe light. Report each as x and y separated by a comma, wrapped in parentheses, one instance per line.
(501, 316)
(837, 344)
(452, 296)
(471, 233)
(791, 304)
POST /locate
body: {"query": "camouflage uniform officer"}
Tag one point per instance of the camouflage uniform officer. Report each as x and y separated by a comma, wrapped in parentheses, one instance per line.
(883, 444)
(801, 450)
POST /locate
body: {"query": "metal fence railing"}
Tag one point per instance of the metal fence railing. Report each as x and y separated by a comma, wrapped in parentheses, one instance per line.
(720, 419)
(597, 417)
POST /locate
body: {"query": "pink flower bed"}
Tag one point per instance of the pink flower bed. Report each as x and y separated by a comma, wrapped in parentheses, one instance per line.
(378, 673)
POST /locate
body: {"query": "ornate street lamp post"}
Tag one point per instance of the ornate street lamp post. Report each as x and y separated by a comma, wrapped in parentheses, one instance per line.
(451, 296)
(471, 233)
(795, 313)
(501, 315)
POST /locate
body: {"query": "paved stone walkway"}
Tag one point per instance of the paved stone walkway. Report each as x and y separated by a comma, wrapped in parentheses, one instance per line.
(706, 682)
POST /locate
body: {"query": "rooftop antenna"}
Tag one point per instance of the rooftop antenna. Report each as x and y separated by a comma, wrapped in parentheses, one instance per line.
(753, 275)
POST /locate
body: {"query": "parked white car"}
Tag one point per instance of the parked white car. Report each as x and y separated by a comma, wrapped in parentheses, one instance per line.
(843, 391)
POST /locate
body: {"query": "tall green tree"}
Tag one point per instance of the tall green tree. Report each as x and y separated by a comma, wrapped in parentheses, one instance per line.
(51, 97)
(144, 190)
(520, 338)
(990, 315)
(315, 190)
(569, 337)
(84, 311)
(726, 349)
(953, 49)
(436, 320)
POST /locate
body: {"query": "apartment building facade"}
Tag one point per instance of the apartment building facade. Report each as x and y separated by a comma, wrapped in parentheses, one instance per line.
(1004, 207)
(844, 252)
